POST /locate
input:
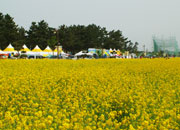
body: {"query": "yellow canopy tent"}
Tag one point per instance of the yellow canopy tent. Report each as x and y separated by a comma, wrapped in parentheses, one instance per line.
(105, 52)
(60, 49)
(36, 49)
(114, 50)
(118, 52)
(47, 49)
(9, 48)
(110, 50)
(1, 52)
(24, 48)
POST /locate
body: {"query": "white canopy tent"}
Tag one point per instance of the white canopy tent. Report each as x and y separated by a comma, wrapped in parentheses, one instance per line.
(89, 54)
(36, 50)
(114, 49)
(47, 51)
(83, 54)
(9, 49)
(110, 50)
(2, 52)
(79, 53)
(25, 48)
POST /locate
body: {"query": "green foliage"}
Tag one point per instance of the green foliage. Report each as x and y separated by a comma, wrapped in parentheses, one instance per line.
(52, 42)
(8, 30)
(21, 39)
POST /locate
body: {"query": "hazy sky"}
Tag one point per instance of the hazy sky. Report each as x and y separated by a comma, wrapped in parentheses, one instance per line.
(139, 20)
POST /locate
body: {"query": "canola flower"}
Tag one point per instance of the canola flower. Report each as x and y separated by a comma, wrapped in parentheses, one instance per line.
(107, 94)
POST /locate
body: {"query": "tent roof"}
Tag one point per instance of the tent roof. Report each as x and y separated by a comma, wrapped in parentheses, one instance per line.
(47, 49)
(110, 50)
(1, 52)
(63, 53)
(36, 49)
(9, 48)
(81, 53)
(24, 48)
(89, 54)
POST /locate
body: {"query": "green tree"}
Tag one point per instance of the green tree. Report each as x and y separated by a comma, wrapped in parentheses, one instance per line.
(52, 42)
(79, 37)
(8, 30)
(21, 39)
(39, 34)
(135, 47)
(115, 39)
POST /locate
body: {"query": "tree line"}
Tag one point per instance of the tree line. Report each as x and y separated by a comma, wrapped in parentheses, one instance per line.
(72, 38)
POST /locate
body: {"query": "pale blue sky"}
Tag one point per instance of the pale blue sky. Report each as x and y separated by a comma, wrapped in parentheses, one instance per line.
(139, 20)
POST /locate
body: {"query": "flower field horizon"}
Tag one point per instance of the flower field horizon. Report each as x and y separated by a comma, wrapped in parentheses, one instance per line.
(104, 94)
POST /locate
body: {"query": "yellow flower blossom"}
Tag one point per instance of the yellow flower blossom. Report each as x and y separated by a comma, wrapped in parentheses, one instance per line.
(90, 94)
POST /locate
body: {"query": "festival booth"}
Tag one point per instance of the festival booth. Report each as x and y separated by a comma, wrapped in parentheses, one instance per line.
(24, 52)
(110, 50)
(83, 55)
(25, 49)
(118, 52)
(106, 53)
(47, 52)
(133, 55)
(10, 50)
(61, 52)
(3, 55)
(55, 50)
(127, 54)
(114, 50)
(92, 50)
(1, 52)
(35, 53)
(63, 55)
(115, 53)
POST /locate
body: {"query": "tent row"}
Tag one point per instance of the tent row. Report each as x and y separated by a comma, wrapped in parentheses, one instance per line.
(49, 53)
(36, 51)
(107, 52)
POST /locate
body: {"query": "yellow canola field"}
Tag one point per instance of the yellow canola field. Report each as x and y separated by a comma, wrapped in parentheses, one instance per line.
(107, 94)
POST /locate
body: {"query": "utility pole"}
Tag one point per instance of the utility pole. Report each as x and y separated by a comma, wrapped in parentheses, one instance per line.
(144, 48)
(102, 49)
(58, 43)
